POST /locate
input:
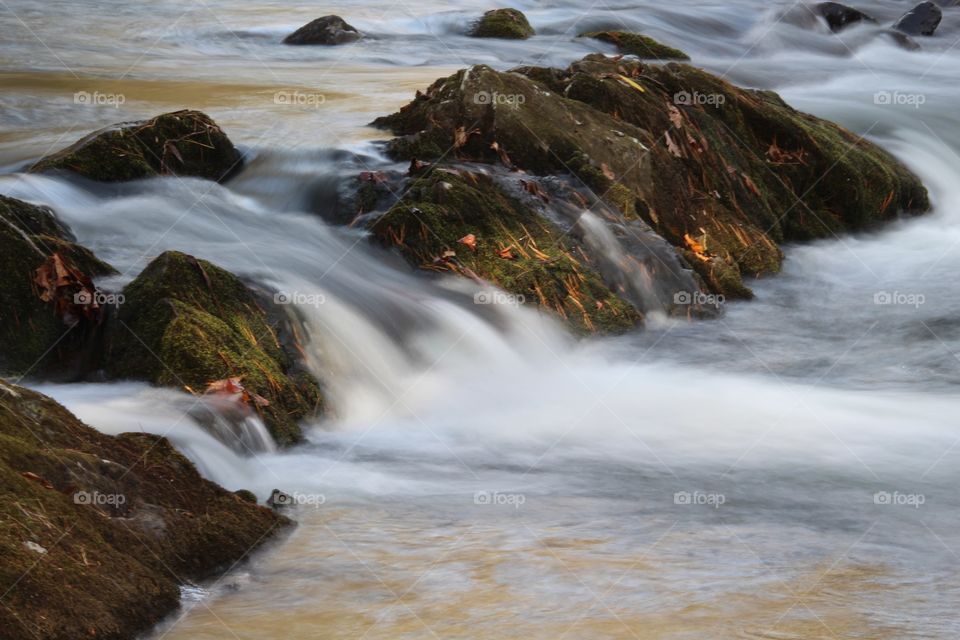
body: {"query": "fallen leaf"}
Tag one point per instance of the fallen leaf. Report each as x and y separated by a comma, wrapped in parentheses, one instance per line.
(470, 240)
(672, 146)
(675, 116)
(633, 84)
(506, 253)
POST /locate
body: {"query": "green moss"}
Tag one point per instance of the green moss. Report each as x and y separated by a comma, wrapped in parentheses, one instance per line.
(186, 322)
(637, 45)
(502, 23)
(108, 570)
(691, 154)
(186, 143)
(442, 207)
(35, 340)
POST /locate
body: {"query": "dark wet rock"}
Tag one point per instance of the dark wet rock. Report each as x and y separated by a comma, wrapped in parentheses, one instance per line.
(456, 221)
(328, 30)
(901, 39)
(279, 500)
(186, 323)
(98, 531)
(42, 336)
(183, 143)
(502, 23)
(726, 175)
(922, 20)
(637, 45)
(840, 16)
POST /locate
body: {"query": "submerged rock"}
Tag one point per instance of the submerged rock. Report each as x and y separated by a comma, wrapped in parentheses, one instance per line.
(41, 335)
(840, 16)
(725, 174)
(502, 23)
(461, 222)
(121, 521)
(328, 30)
(183, 143)
(188, 323)
(922, 20)
(637, 45)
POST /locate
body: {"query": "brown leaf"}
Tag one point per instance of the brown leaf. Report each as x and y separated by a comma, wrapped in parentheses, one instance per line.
(506, 253)
(672, 146)
(470, 240)
(675, 116)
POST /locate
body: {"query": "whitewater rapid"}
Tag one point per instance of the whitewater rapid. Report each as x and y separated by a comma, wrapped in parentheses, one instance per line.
(785, 471)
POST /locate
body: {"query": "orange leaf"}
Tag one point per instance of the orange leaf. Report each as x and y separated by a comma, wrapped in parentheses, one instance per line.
(470, 240)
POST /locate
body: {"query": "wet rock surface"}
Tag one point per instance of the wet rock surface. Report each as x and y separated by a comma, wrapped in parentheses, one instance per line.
(638, 45)
(98, 532)
(509, 24)
(48, 310)
(187, 323)
(182, 143)
(328, 30)
(726, 175)
(922, 20)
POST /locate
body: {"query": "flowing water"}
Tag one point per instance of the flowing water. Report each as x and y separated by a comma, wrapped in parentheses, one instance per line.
(788, 470)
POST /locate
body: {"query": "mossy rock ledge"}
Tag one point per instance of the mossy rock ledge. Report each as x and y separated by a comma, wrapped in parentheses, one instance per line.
(638, 45)
(461, 222)
(35, 339)
(186, 322)
(725, 174)
(509, 24)
(183, 143)
(98, 532)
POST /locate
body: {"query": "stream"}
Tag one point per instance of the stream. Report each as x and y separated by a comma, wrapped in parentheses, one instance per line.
(788, 470)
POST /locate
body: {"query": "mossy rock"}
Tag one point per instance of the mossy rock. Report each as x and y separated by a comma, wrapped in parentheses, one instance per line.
(186, 322)
(97, 532)
(35, 340)
(502, 23)
(637, 45)
(515, 248)
(724, 173)
(183, 143)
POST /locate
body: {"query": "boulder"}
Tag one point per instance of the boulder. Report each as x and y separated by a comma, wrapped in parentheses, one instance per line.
(461, 222)
(328, 30)
(922, 20)
(187, 323)
(725, 174)
(502, 23)
(840, 16)
(183, 143)
(637, 45)
(120, 522)
(48, 307)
